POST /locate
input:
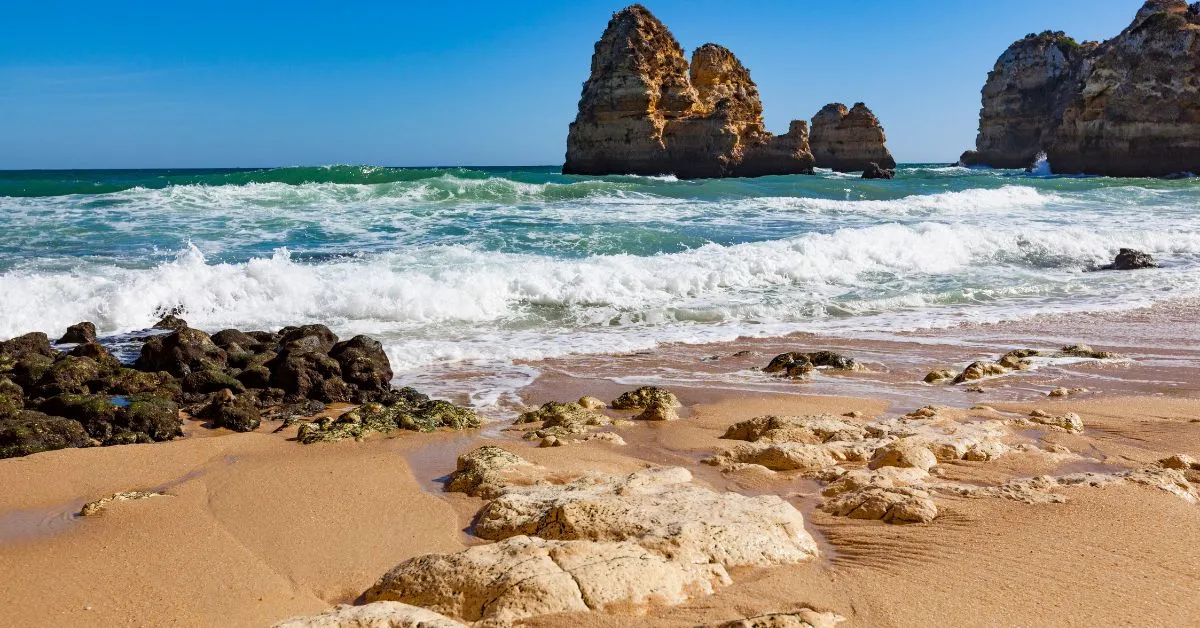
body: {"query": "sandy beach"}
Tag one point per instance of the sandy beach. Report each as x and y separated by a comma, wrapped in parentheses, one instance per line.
(255, 528)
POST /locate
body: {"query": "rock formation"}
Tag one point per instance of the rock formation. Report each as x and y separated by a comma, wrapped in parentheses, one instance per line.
(1024, 99)
(1127, 107)
(849, 140)
(645, 110)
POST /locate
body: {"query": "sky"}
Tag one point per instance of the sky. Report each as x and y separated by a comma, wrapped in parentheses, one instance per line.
(271, 83)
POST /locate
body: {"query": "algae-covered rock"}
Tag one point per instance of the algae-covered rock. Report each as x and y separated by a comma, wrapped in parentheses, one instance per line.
(30, 432)
(12, 398)
(419, 414)
(642, 398)
(239, 413)
(156, 417)
(181, 352)
(97, 413)
(70, 374)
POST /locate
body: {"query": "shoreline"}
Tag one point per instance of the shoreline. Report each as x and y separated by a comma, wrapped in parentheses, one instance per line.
(288, 529)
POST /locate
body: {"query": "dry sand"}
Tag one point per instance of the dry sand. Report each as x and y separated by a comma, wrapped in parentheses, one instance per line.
(257, 528)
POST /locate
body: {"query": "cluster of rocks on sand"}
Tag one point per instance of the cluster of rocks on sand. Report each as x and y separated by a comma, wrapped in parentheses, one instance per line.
(79, 394)
(1016, 360)
(1129, 106)
(646, 110)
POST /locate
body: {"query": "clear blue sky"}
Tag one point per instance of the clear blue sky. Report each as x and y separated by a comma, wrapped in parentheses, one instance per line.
(130, 84)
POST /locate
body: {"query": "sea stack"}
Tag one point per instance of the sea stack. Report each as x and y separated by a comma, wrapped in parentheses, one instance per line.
(1127, 107)
(645, 110)
(849, 140)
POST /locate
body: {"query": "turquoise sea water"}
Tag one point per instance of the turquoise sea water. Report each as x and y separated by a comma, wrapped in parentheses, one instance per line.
(483, 266)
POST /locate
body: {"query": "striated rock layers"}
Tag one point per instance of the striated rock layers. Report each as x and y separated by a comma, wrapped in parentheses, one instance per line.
(1127, 107)
(646, 110)
(849, 140)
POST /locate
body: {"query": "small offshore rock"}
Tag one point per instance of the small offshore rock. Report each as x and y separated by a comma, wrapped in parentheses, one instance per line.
(1130, 259)
(873, 171)
(797, 364)
(1084, 351)
(1063, 392)
(79, 333)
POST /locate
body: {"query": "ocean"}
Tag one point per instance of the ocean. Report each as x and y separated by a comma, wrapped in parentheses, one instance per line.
(467, 274)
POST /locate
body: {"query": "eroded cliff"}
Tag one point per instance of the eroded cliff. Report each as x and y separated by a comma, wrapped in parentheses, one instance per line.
(1127, 107)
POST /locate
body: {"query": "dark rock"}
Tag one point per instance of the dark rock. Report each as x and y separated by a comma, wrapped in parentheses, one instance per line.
(98, 353)
(72, 374)
(35, 343)
(873, 171)
(181, 352)
(156, 417)
(302, 368)
(364, 365)
(798, 364)
(227, 337)
(127, 381)
(79, 333)
(255, 377)
(335, 390)
(31, 368)
(324, 339)
(12, 398)
(211, 380)
(238, 413)
(31, 432)
(96, 413)
(267, 339)
(170, 321)
(1131, 259)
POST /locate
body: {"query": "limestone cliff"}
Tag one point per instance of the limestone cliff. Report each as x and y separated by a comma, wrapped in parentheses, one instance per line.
(1024, 99)
(1127, 107)
(646, 110)
(849, 140)
(1138, 108)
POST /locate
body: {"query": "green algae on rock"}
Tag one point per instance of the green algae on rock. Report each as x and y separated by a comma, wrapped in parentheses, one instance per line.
(641, 398)
(412, 411)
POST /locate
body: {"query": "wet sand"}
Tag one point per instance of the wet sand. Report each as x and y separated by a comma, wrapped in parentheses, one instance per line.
(256, 528)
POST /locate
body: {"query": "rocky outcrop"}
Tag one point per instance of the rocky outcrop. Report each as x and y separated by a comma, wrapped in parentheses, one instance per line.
(1137, 112)
(1024, 98)
(646, 110)
(1127, 107)
(375, 615)
(1130, 259)
(849, 140)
